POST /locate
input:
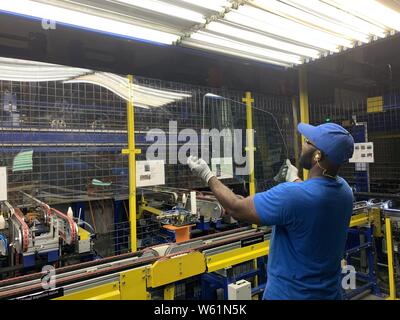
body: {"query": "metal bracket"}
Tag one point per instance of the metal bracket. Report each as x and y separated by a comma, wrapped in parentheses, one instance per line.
(127, 151)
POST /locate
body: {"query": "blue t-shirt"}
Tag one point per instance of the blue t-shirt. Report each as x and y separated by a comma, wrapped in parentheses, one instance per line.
(310, 221)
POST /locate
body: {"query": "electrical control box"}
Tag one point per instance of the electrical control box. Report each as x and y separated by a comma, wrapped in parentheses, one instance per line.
(240, 290)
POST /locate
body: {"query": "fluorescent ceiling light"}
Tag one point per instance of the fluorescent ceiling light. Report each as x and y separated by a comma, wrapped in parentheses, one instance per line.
(215, 5)
(306, 18)
(334, 14)
(141, 106)
(167, 9)
(372, 11)
(122, 81)
(141, 95)
(32, 71)
(212, 95)
(24, 70)
(84, 20)
(232, 52)
(293, 27)
(261, 40)
(227, 43)
(263, 26)
(161, 93)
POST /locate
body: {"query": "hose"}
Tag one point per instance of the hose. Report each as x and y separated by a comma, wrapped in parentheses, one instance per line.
(86, 224)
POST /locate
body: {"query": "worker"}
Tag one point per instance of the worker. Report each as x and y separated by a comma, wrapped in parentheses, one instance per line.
(309, 219)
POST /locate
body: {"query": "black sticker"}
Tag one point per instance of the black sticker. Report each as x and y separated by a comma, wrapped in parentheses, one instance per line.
(44, 295)
(250, 241)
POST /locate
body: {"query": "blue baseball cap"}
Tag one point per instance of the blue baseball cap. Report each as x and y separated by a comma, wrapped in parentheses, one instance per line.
(332, 139)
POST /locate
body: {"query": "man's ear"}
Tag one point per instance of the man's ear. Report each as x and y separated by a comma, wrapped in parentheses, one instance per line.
(317, 156)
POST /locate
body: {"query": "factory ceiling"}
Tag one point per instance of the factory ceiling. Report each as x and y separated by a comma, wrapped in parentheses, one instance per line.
(362, 66)
(285, 33)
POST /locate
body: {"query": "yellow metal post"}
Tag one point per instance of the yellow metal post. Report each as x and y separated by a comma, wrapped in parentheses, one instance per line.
(132, 165)
(389, 245)
(250, 144)
(295, 134)
(376, 219)
(250, 149)
(255, 266)
(304, 115)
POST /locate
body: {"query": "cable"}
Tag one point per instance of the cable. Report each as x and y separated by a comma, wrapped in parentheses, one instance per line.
(83, 222)
(255, 108)
(91, 213)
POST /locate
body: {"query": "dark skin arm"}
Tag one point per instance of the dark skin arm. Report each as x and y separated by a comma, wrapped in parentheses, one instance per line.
(242, 209)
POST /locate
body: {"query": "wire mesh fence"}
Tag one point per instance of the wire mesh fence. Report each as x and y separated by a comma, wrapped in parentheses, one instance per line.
(373, 119)
(274, 138)
(223, 110)
(76, 133)
(62, 142)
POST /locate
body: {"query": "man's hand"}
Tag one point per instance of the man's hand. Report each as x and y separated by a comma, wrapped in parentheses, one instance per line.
(200, 168)
(287, 172)
(236, 206)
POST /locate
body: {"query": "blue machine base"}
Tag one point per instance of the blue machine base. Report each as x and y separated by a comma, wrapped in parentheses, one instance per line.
(29, 260)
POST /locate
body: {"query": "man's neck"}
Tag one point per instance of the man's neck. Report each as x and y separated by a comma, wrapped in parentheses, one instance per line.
(317, 171)
(314, 172)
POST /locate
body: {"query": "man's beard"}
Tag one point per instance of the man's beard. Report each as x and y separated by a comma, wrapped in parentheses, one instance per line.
(305, 160)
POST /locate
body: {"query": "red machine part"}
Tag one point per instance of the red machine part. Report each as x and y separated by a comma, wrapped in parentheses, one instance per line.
(69, 221)
(25, 230)
(54, 212)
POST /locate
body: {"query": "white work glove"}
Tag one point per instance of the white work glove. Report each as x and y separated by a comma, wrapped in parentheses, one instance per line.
(287, 172)
(200, 168)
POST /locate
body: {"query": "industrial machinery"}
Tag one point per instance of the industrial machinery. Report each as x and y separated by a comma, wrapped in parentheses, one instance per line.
(182, 214)
(391, 214)
(39, 234)
(360, 252)
(392, 208)
(205, 267)
(150, 273)
(372, 246)
(183, 206)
